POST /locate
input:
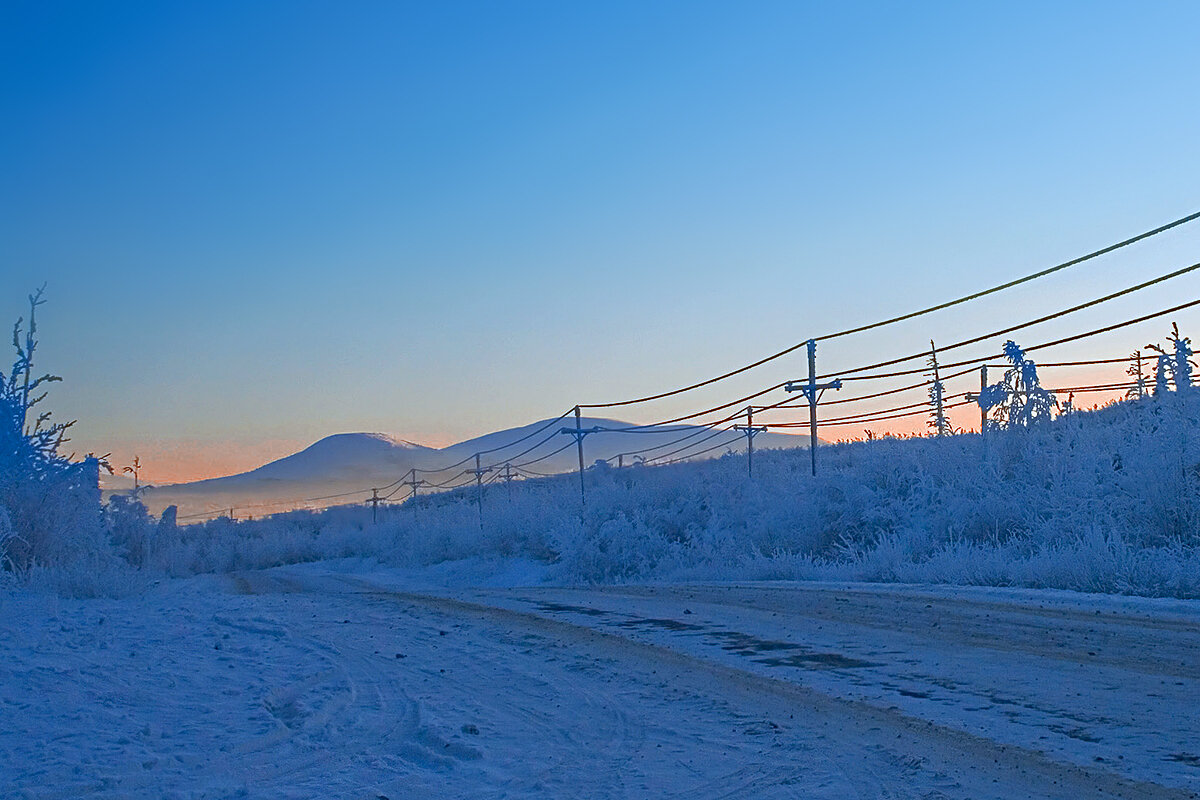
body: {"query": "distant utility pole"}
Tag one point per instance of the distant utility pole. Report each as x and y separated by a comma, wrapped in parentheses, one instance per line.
(972, 397)
(413, 483)
(507, 477)
(580, 434)
(813, 392)
(479, 472)
(374, 501)
(750, 430)
(983, 412)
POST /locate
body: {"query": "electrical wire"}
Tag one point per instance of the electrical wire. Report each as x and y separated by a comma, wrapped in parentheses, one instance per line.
(513, 443)
(846, 375)
(911, 315)
(1012, 328)
(546, 456)
(711, 436)
(702, 452)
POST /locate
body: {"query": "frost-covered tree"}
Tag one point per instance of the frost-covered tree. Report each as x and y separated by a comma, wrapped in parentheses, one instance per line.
(52, 505)
(1019, 396)
(25, 447)
(1139, 388)
(1162, 380)
(937, 394)
(1176, 358)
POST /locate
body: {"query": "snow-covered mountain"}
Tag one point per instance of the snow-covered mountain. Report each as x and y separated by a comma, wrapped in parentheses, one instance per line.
(349, 462)
(342, 455)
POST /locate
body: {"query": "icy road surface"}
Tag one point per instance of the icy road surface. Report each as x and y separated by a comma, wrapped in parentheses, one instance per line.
(304, 682)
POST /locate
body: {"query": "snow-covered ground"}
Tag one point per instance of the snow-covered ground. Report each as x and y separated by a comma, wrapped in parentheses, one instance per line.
(346, 680)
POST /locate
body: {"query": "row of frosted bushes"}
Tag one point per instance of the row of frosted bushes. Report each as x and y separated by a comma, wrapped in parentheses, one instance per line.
(1097, 501)
(1105, 501)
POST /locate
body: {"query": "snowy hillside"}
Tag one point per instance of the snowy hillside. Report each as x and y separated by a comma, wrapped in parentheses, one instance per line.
(348, 462)
(355, 456)
(1096, 501)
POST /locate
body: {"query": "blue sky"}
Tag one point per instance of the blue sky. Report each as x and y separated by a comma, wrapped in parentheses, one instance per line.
(261, 223)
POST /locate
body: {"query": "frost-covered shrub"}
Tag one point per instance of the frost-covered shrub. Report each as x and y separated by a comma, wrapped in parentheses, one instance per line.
(1020, 396)
(1106, 500)
(52, 505)
(130, 528)
(6, 534)
(1175, 361)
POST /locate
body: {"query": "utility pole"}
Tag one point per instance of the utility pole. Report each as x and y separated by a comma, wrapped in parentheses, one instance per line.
(983, 412)
(507, 477)
(413, 483)
(972, 397)
(374, 506)
(750, 430)
(579, 433)
(812, 391)
(479, 472)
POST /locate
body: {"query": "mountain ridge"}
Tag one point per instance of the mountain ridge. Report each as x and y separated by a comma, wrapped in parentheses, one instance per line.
(355, 461)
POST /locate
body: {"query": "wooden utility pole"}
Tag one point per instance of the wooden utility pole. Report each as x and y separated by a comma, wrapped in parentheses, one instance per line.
(579, 436)
(507, 477)
(982, 409)
(750, 430)
(972, 397)
(812, 391)
(413, 483)
(580, 433)
(374, 501)
(479, 472)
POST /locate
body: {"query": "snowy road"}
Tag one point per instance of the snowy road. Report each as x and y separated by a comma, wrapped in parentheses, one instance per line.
(308, 683)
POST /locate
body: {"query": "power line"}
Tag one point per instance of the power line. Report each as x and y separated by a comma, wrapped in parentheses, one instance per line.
(911, 315)
(850, 374)
(1029, 324)
(857, 419)
(546, 456)
(717, 446)
(882, 417)
(546, 426)
(712, 435)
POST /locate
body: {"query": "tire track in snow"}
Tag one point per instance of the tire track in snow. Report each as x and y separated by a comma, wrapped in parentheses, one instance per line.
(903, 739)
(1078, 711)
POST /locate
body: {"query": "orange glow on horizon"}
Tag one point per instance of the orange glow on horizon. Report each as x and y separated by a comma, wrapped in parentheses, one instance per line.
(185, 460)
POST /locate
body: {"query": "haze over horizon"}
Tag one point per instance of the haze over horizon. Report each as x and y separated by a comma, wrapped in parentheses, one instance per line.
(261, 224)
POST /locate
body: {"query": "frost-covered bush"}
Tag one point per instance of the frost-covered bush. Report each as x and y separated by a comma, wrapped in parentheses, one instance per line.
(1174, 362)
(1021, 399)
(6, 535)
(51, 505)
(130, 528)
(1105, 500)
